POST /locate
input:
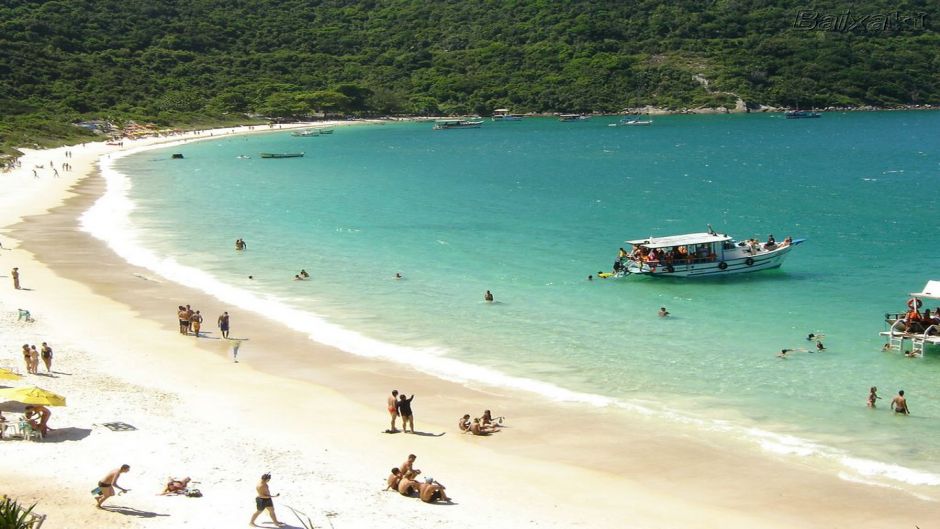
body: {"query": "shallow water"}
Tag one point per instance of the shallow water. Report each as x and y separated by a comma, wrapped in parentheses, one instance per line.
(529, 209)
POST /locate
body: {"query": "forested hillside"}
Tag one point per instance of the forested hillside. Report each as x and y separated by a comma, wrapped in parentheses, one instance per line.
(176, 61)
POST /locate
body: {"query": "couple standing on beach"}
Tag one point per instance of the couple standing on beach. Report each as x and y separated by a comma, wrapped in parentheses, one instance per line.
(401, 405)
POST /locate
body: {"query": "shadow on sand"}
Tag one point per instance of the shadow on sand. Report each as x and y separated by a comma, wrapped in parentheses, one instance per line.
(130, 511)
(59, 435)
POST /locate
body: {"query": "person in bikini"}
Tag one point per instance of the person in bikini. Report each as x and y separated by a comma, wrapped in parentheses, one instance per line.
(393, 409)
(46, 354)
(176, 486)
(872, 396)
(109, 483)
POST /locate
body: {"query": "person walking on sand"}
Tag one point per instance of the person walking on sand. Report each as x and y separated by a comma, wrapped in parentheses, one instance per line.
(196, 321)
(189, 319)
(393, 409)
(46, 354)
(16, 277)
(223, 324)
(899, 404)
(107, 484)
(872, 396)
(404, 409)
(264, 501)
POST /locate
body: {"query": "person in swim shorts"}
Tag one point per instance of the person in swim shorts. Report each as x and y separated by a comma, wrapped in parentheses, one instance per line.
(109, 483)
(264, 501)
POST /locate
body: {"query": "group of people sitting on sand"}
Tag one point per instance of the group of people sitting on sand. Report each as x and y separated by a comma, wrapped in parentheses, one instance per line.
(404, 480)
(484, 425)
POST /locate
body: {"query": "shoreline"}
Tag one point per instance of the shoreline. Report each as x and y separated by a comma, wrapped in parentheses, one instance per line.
(531, 451)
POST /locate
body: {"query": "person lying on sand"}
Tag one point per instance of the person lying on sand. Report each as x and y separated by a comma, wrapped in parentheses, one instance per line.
(478, 429)
(393, 479)
(176, 486)
(431, 491)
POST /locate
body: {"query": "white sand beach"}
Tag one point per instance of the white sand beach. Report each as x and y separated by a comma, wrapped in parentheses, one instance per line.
(313, 416)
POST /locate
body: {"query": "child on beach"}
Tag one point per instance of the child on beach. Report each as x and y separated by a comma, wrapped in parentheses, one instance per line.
(872, 396)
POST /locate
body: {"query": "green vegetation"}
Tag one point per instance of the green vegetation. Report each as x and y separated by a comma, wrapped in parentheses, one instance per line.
(14, 515)
(174, 63)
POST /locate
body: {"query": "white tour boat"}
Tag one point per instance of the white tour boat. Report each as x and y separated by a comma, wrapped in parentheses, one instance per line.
(922, 330)
(502, 114)
(700, 255)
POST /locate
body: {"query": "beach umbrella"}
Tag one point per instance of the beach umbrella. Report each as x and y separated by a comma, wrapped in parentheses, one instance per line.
(6, 374)
(32, 395)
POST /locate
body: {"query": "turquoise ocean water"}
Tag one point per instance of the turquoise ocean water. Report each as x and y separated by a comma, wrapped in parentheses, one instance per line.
(529, 209)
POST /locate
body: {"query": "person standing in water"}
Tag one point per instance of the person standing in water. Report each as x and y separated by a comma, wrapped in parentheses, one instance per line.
(872, 396)
(488, 296)
(899, 404)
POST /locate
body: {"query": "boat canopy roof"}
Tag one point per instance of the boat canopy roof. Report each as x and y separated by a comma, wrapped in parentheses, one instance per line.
(931, 290)
(501, 110)
(680, 240)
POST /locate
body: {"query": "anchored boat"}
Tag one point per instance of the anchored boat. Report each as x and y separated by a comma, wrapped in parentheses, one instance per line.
(701, 254)
(446, 124)
(921, 329)
(282, 155)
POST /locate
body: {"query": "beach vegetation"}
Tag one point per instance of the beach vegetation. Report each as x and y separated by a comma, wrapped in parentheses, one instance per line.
(178, 63)
(15, 516)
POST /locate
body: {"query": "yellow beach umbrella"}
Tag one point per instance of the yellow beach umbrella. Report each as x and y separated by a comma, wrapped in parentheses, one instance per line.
(6, 374)
(32, 395)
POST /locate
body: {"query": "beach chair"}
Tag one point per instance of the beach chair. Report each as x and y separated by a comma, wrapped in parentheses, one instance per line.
(23, 314)
(28, 432)
(35, 521)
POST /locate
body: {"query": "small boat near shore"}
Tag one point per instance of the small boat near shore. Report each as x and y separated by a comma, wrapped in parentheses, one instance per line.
(282, 155)
(701, 255)
(632, 121)
(305, 133)
(801, 114)
(447, 124)
(502, 114)
(573, 117)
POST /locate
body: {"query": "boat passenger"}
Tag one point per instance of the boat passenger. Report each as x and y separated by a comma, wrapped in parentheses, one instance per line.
(771, 242)
(622, 253)
(787, 241)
